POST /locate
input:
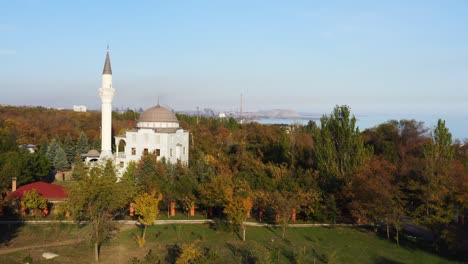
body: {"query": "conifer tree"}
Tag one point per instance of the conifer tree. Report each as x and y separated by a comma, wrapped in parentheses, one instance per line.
(70, 149)
(51, 150)
(60, 160)
(82, 146)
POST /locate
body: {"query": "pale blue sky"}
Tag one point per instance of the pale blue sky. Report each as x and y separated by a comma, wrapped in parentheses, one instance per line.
(407, 59)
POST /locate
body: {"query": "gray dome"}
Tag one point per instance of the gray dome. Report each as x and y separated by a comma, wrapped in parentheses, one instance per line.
(93, 153)
(158, 114)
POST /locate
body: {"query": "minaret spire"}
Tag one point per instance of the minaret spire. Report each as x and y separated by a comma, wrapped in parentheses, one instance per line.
(107, 94)
(107, 64)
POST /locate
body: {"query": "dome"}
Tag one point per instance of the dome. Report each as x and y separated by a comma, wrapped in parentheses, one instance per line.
(158, 114)
(92, 153)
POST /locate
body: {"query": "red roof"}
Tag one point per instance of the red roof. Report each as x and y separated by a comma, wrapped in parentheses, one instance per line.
(47, 190)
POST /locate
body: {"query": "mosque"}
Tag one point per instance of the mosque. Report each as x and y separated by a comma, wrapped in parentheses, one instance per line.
(157, 131)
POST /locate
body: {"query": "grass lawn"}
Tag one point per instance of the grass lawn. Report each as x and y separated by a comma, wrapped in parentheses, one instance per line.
(302, 245)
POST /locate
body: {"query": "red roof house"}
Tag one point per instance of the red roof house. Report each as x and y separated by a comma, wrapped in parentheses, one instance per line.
(51, 192)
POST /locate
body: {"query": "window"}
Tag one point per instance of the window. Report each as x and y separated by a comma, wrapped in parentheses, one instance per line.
(121, 164)
(133, 151)
(170, 152)
(158, 152)
(145, 151)
(183, 151)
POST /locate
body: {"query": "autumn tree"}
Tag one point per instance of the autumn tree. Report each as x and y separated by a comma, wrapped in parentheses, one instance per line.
(283, 204)
(216, 192)
(98, 198)
(146, 207)
(34, 201)
(236, 211)
(372, 190)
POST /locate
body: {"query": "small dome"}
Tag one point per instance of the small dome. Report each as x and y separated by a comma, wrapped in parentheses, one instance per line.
(158, 114)
(93, 153)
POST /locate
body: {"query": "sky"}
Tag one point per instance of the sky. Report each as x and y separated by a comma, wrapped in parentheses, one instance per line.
(398, 59)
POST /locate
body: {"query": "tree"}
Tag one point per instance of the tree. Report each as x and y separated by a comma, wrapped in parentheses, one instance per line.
(82, 145)
(36, 165)
(283, 204)
(98, 198)
(339, 152)
(436, 208)
(188, 253)
(70, 149)
(60, 160)
(51, 150)
(32, 200)
(236, 211)
(146, 207)
(217, 191)
(372, 191)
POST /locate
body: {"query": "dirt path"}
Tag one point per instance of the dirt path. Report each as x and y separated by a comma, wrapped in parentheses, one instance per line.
(8, 250)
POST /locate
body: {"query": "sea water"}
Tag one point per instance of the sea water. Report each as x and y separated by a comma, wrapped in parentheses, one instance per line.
(456, 123)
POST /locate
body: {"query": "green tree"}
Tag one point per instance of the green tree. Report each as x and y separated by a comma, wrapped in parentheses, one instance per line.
(70, 149)
(338, 148)
(9, 168)
(82, 145)
(146, 207)
(32, 200)
(36, 166)
(98, 198)
(60, 160)
(339, 152)
(435, 187)
(7, 137)
(51, 150)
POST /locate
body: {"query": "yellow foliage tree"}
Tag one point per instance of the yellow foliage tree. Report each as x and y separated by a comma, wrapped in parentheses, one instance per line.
(236, 211)
(146, 207)
(33, 200)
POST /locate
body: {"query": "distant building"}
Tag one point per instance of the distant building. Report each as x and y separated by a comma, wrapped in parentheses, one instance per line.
(29, 147)
(52, 192)
(79, 108)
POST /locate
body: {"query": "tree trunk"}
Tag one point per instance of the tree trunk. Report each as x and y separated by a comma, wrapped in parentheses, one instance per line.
(243, 232)
(388, 231)
(96, 252)
(144, 233)
(397, 237)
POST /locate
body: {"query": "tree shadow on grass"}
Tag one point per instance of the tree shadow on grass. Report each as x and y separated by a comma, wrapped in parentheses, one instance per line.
(8, 232)
(269, 228)
(385, 260)
(9, 228)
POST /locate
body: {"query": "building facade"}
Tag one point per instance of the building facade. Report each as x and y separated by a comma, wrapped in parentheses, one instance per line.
(157, 132)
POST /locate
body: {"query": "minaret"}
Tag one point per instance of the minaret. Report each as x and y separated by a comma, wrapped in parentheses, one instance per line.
(107, 94)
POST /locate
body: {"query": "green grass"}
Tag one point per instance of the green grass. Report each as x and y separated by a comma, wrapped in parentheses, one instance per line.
(311, 245)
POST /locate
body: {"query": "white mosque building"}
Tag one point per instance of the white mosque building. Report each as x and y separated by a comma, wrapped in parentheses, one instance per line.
(157, 131)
